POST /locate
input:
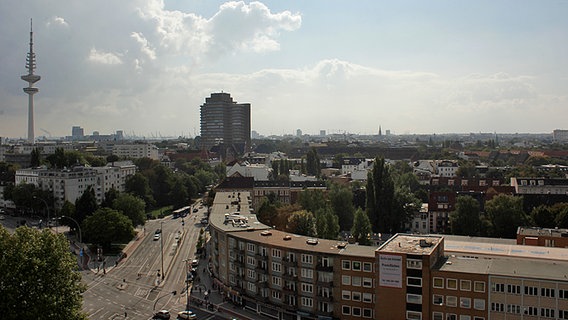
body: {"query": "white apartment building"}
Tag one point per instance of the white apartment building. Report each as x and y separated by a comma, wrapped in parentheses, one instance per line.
(136, 151)
(356, 167)
(446, 168)
(259, 172)
(69, 184)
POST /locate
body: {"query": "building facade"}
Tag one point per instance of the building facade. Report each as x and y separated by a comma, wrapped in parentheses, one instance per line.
(225, 122)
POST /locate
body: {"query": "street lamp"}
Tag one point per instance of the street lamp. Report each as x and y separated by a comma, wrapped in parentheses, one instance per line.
(162, 247)
(46, 206)
(80, 237)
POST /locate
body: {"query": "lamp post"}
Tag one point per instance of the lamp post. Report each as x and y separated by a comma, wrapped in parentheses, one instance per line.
(80, 237)
(165, 295)
(162, 247)
(46, 206)
(187, 261)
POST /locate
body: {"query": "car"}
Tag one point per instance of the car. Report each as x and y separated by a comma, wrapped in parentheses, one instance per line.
(194, 263)
(156, 236)
(186, 314)
(162, 314)
(204, 221)
(2, 217)
(195, 210)
(158, 231)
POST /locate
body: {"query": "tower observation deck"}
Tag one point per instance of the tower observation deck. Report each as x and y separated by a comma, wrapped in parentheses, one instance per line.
(31, 78)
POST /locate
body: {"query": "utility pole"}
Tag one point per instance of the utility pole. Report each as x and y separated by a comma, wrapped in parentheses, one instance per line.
(162, 247)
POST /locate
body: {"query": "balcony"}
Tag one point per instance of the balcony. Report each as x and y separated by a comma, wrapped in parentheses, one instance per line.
(324, 283)
(289, 263)
(321, 267)
(326, 298)
(289, 290)
(263, 284)
(260, 256)
(291, 277)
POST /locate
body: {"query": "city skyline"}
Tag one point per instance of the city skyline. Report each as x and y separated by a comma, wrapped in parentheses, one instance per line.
(410, 68)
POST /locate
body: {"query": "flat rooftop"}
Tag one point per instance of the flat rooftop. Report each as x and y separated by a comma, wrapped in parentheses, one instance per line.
(473, 248)
(411, 244)
(533, 231)
(232, 211)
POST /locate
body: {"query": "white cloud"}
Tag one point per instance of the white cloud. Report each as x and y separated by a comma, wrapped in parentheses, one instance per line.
(101, 57)
(57, 21)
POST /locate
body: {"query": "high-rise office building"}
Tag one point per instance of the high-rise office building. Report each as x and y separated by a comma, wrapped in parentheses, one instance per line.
(225, 123)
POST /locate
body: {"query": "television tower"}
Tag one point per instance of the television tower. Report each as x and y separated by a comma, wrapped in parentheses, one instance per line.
(31, 78)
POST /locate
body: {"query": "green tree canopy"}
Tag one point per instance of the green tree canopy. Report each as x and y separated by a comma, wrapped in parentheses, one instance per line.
(465, 220)
(86, 204)
(179, 197)
(361, 229)
(312, 200)
(313, 163)
(38, 276)
(132, 207)
(544, 217)
(341, 201)
(506, 214)
(139, 186)
(106, 226)
(302, 222)
(380, 198)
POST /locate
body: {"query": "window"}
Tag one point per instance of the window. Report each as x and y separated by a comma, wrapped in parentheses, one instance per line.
(345, 264)
(345, 295)
(346, 280)
(439, 283)
(251, 247)
(367, 282)
(251, 261)
(346, 310)
(276, 267)
(414, 264)
(514, 289)
(414, 298)
(478, 318)
(498, 287)
(531, 291)
(479, 304)
(465, 317)
(452, 284)
(308, 288)
(356, 266)
(367, 267)
(547, 312)
(452, 301)
(367, 297)
(562, 293)
(413, 315)
(307, 302)
(513, 308)
(356, 312)
(356, 296)
(276, 253)
(465, 285)
(451, 316)
(548, 292)
(251, 287)
(465, 302)
(307, 273)
(276, 294)
(437, 316)
(479, 286)
(251, 274)
(277, 281)
(307, 258)
(356, 281)
(367, 313)
(414, 282)
(438, 299)
(499, 307)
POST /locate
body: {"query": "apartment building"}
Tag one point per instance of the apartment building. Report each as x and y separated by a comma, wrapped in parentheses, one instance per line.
(136, 151)
(286, 276)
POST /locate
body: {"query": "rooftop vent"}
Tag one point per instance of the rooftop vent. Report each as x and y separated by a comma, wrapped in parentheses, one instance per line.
(287, 237)
(312, 241)
(425, 244)
(266, 233)
(341, 245)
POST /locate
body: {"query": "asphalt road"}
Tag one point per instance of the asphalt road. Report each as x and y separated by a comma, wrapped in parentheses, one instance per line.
(135, 287)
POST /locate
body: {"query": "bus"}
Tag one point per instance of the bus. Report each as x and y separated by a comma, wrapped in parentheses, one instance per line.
(181, 212)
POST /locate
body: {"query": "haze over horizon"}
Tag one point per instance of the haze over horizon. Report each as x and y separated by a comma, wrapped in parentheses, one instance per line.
(145, 66)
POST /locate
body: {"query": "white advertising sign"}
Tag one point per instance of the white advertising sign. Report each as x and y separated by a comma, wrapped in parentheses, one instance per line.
(390, 271)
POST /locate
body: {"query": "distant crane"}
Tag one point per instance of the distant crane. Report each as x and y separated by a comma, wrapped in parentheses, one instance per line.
(45, 131)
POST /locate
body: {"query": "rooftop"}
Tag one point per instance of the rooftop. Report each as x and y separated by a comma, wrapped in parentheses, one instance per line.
(412, 244)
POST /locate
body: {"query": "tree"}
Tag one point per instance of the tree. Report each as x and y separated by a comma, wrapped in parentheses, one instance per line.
(465, 220)
(380, 195)
(543, 217)
(341, 201)
(361, 229)
(179, 196)
(266, 212)
(327, 224)
(561, 213)
(302, 222)
(38, 276)
(405, 206)
(138, 185)
(506, 214)
(110, 195)
(35, 158)
(106, 226)
(86, 204)
(312, 200)
(161, 183)
(313, 163)
(132, 207)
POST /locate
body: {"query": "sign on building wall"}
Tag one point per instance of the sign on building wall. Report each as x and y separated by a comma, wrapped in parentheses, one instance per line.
(390, 271)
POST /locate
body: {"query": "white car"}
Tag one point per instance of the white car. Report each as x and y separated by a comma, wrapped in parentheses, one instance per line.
(156, 236)
(187, 314)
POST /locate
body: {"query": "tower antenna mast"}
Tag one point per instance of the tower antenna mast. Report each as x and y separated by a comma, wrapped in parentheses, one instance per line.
(31, 78)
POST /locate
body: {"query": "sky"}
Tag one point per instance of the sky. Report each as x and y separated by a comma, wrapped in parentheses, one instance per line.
(409, 66)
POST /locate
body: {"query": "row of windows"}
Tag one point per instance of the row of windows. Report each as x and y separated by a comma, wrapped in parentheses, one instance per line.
(453, 316)
(356, 296)
(357, 281)
(464, 285)
(528, 310)
(464, 302)
(357, 312)
(356, 265)
(529, 290)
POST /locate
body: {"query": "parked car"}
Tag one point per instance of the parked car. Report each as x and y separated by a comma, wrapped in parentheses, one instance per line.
(187, 314)
(162, 314)
(156, 236)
